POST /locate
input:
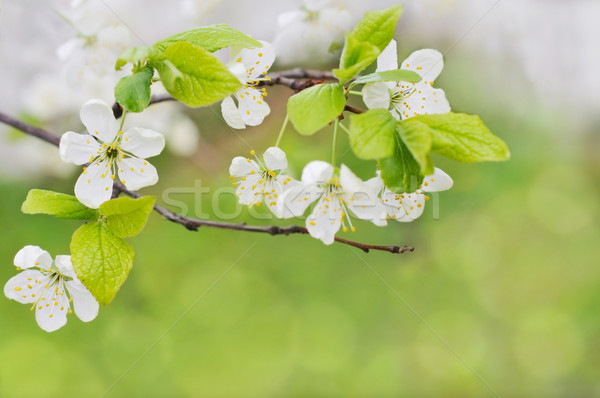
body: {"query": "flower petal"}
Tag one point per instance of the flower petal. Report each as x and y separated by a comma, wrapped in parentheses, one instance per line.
(143, 143)
(388, 59)
(425, 100)
(65, 267)
(51, 309)
(275, 159)
(252, 107)
(247, 189)
(317, 172)
(84, 304)
(99, 120)
(376, 95)
(94, 186)
(25, 287)
(297, 198)
(241, 166)
(137, 173)
(256, 60)
(427, 63)
(231, 114)
(325, 220)
(33, 256)
(438, 181)
(392, 203)
(77, 148)
(414, 204)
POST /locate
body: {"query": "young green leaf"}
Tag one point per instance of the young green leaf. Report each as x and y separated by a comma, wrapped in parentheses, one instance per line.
(401, 172)
(464, 138)
(136, 55)
(417, 138)
(57, 204)
(211, 38)
(133, 92)
(398, 75)
(373, 134)
(356, 56)
(366, 41)
(194, 76)
(312, 109)
(125, 216)
(101, 260)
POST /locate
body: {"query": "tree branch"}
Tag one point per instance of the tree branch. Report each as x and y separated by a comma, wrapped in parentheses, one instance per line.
(288, 79)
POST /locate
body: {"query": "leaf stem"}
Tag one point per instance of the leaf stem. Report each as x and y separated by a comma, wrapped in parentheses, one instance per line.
(123, 119)
(335, 130)
(283, 126)
(345, 128)
(357, 93)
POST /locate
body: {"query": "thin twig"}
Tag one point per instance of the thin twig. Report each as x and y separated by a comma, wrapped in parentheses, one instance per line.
(287, 78)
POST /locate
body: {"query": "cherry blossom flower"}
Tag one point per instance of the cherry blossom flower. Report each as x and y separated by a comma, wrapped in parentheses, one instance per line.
(248, 65)
(403, 99)
(336, 197)
(408, 207)
(110, 153)
(263, 180)
(51, 287)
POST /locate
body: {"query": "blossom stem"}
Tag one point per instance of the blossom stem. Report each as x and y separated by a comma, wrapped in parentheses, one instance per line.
(123, 119)
(357, 93)
(335, 129)
(283, 126)
(345, 128)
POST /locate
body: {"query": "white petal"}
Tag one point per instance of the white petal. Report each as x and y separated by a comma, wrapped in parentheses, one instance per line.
(275, 159)
(65, 50)
(438, 181)
(257, 60)
(282, 209)
(426, 100)
(241, 166)
(99, 120)
(137, 173)
(65, 267)
(350, 182)
(297, 198)
(388, 59)
(25, 287)
(247, 191)
(317, 172)
(77, 148)
(286, 18)
(366, 206)
(84, 304)
(231, 114)
(51, 309)
(427, 63)
(94, 186)
(392, 202)
(33, 256)
(324, 222)
(376, 95)
(375, 184)
(414, 204)
(252, 107)
(143, 143)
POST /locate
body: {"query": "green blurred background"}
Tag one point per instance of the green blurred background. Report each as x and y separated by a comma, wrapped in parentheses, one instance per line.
(501, 291)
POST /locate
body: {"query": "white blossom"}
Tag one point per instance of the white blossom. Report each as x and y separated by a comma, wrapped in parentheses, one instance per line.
(110, 153)
(406, 207)
(403, 99)
(51, 287)
(248, 65)
(336, 198)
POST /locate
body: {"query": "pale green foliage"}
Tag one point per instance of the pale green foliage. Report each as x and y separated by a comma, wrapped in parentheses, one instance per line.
(314, 108)
(373, 134)
(60, 205)
(211, 38)
(133, 92)
(125, 216)
(397, 75)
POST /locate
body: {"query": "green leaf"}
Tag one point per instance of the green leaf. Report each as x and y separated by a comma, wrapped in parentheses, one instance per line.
(57, 204)
(133, 92)
(136, 55)
(211, 38)
(125, 216)
(194, 76)
(464, 138)
(373, 134)
(417, 138)
(101, 260)
(401, 173)
(366, 41)
(377, 27)
(356, 56)
(312, 109)
(398, 75)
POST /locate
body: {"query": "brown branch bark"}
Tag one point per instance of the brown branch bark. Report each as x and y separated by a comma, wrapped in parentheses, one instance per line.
(193, 224)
